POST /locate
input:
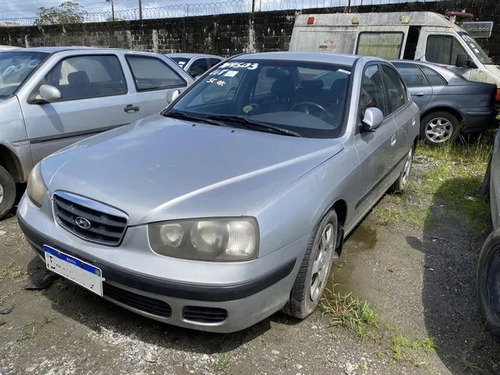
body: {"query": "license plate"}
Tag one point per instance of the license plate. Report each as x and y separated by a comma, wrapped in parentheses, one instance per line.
(74, 269)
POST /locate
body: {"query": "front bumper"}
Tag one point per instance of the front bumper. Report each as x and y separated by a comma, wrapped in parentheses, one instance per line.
(223, 306)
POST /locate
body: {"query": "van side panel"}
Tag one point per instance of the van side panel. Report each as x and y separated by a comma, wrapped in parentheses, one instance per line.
(323, 39)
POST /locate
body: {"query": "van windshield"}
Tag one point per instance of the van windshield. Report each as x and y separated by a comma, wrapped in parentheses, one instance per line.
(15, 67)
(476, 48)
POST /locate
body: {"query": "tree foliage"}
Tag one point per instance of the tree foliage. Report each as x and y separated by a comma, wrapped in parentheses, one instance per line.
(66, 12)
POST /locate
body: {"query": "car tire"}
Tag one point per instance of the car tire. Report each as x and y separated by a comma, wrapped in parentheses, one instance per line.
(488, 274)
(484, 190)
(7, 192)
(400, 184)
(438, 128)
(314, 269)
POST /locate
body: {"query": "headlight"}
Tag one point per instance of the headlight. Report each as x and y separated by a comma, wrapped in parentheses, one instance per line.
(206, 239)
(36, 187)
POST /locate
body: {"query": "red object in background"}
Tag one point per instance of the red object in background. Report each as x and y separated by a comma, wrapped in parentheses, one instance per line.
(310, 20)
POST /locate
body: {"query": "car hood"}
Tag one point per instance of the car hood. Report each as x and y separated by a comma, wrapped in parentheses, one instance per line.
(161, 168)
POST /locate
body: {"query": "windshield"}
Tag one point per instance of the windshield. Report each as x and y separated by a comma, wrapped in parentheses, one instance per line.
(15, 67)
(287, 97)
(476, 48)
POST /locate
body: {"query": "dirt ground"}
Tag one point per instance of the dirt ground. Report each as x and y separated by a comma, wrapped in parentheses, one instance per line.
(419, 279)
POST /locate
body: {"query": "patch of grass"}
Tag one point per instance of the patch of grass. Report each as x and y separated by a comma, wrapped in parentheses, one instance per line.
(12, 271)
(410, 350)
(223, 362)
(2, 321)
(463, 357)
(350, 312)
(30, 330)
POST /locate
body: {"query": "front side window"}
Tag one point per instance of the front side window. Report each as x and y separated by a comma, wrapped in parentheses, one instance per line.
(151, 73)
(443, 49)
(411, 74)
(82, 77)
(380, 44)
(263, 94)
(396, 91)
(372, 90)
(198, 67)
(15, 68)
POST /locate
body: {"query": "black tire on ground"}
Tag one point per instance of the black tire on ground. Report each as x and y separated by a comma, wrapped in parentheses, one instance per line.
(7, 192)
(400, 184)
(314, 269)
(484, 190)
(488, 283)
(439, 128)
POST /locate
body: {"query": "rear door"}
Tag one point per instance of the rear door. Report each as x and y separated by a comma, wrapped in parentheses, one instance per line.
(418, 85)
(93, 99)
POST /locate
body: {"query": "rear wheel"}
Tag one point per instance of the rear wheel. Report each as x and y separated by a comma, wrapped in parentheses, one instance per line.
(315, 268)
(488, 283)
(7, 192)
(439, 127)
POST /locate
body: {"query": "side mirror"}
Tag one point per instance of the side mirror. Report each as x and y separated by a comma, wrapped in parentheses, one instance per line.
(464, 61)
(372, 119)
(172, 95)
(48, 94)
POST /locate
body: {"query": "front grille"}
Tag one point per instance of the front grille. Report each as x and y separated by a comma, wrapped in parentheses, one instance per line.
(204, 314)
(146, 304)
(104, 225)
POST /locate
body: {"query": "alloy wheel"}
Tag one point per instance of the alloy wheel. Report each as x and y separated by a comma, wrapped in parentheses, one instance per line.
(321, 265)
(439, 130)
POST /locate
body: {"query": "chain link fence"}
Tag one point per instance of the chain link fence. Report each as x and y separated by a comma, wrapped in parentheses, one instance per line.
(212, 8)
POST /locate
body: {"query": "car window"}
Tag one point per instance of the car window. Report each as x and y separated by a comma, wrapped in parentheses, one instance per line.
(396, 91)
(433, 77)
(382, 44)
(412, 75)
(82, 77)
(198, 67)
(181, 61)
(151, 73)
(214, 61)
(372, 90)
(265, 80)
(443, 49)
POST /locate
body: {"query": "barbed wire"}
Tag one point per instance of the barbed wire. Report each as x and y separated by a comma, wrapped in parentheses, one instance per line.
(215, 8)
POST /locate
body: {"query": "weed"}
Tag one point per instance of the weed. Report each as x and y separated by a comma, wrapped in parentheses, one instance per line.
(404, 348)
(350, 312)
(284, 362)
(29, 331)
(2, 321)
(12, 271)
(223, 362)
(464, 356)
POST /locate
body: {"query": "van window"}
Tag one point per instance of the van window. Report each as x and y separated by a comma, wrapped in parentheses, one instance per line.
(443, 49)
(380, 44)
(475, 48)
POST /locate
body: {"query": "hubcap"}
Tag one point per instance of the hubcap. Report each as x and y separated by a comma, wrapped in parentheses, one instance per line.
(439, 130)
(1, 194)
(321, 264)
(407, 168)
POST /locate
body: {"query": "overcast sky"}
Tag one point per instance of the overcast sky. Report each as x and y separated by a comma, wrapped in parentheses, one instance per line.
(28, 8)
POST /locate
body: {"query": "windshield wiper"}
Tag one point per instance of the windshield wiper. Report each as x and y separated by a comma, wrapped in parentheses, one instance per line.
(254, 124)
(185, 116)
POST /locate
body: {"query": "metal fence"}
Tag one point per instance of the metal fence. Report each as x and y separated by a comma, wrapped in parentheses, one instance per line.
(213, 8)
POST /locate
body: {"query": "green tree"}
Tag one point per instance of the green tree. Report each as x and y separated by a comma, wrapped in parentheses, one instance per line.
(66, 12)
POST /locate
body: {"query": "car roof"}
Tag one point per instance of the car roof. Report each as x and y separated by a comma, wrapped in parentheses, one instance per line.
(445, 72)
(324, 57)
(191, 55)
(56, 49)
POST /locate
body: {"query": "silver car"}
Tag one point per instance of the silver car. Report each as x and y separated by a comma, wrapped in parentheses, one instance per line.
(51, 97)
(195, 63)
(233, 203)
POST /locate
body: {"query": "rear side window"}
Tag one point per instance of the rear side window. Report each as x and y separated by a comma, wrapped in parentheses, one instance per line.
(83, 77)
(198, 67)
(443, 49)
(396, 91)
(412, 75)
(151, 73)
(385, 45)
(433, 77)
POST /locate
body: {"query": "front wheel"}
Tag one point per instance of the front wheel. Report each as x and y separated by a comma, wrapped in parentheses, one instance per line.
(400, 184)
(314, 269)
(488, 283)
(7, 192)
(439, 127)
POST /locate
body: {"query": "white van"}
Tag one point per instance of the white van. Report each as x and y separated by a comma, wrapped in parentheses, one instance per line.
(425, 36)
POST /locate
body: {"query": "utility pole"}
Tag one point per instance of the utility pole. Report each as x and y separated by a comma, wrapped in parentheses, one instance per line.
(253, 6)
(112, 9)
(140, 10)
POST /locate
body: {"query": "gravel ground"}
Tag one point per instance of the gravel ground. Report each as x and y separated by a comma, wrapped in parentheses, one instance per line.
(420, 280)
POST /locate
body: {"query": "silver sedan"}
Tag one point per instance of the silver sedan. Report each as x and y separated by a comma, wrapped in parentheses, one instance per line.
(233, 202)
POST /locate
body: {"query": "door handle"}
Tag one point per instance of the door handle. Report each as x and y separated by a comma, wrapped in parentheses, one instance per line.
(419, 94)
(131, 108)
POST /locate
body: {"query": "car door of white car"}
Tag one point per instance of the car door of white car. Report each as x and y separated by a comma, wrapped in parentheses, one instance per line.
(376, 149)
(93, 99)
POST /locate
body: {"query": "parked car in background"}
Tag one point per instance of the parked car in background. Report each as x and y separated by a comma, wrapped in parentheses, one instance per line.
(195, 63)
(53, 96)
(8, 48)
(449, 104)
(187, 217)
(488, 270)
